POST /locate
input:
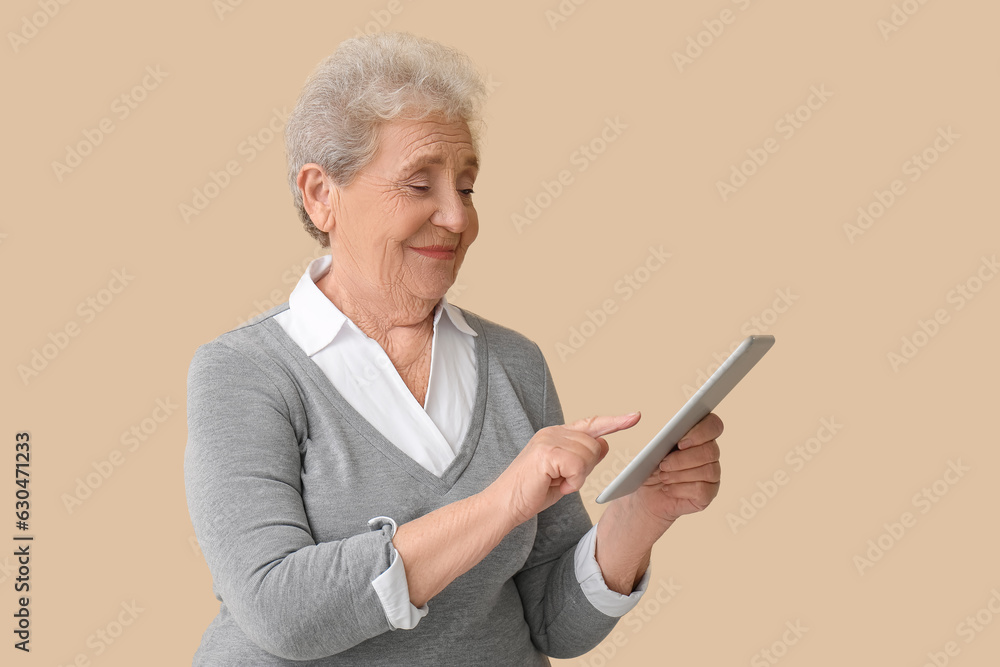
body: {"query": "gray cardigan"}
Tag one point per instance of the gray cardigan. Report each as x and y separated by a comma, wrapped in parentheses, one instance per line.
(282, 475)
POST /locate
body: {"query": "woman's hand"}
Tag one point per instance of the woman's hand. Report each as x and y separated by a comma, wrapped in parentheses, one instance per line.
(687, 479)
(440, 546)
(555, 462)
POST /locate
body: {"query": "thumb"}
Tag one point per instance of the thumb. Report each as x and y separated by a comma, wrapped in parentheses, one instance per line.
(597, 426)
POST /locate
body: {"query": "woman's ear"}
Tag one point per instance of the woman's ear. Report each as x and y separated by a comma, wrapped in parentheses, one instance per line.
(319, 195)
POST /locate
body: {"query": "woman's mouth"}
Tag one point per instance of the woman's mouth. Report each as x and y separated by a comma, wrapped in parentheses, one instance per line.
(435, 251)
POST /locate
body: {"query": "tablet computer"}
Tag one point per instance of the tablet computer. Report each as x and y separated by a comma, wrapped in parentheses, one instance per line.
(698, 406)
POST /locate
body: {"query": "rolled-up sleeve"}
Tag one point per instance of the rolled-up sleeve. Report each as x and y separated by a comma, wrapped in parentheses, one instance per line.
(293, 597)
(591, 578)
(393, 590)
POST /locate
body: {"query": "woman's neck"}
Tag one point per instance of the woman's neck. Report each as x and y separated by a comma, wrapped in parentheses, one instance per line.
(400, 322)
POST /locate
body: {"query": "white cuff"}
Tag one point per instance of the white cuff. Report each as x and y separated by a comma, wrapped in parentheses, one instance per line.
(588, 573)
(391, 587)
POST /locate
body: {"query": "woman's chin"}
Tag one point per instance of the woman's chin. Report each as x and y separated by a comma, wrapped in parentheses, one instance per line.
(436, 292)
(432, 284)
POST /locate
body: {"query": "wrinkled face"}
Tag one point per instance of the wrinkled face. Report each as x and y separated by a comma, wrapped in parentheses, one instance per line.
(406, 221)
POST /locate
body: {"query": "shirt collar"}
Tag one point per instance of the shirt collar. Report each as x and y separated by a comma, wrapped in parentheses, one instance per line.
(316, 321)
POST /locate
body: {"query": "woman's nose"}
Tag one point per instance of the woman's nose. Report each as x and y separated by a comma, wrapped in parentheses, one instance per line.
(452, 212)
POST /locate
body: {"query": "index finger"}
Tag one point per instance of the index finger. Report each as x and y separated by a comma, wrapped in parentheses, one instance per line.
(597, 426)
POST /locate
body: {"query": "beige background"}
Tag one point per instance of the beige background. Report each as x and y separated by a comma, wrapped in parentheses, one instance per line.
(225, 73)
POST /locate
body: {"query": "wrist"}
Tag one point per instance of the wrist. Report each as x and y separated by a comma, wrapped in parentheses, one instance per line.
(642, 520)
(497, 506)
(622, 555)
(626, 533)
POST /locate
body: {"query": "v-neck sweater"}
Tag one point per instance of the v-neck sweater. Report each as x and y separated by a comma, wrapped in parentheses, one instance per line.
(282, 476)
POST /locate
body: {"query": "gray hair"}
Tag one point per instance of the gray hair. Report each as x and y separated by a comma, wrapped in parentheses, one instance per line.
(368, 81)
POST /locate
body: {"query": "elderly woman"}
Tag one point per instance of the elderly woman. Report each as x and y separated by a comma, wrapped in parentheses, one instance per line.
(376, 476)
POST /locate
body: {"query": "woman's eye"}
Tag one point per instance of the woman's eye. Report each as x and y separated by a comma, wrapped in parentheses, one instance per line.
(425, 188)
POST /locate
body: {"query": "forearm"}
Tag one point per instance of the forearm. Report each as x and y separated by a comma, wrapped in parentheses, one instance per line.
(440, 546)
(624, 543)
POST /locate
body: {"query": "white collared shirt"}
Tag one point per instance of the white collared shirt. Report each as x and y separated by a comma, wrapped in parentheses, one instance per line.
(430, 434)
